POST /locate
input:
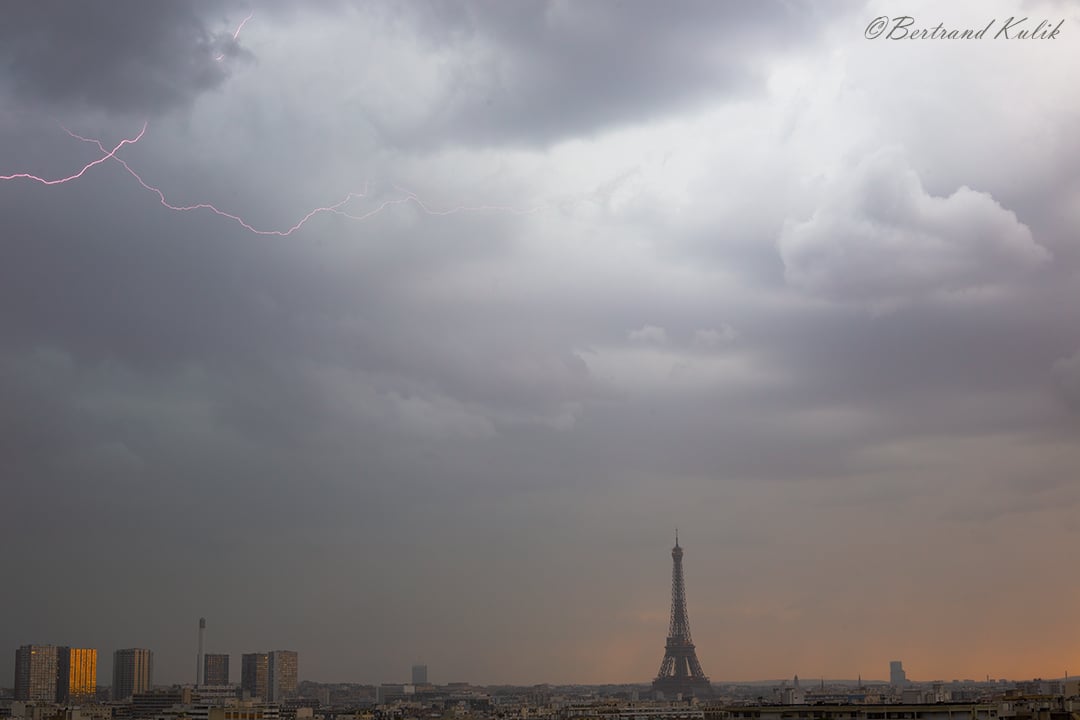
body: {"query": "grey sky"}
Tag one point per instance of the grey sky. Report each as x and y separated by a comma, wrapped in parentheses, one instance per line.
(737, 269)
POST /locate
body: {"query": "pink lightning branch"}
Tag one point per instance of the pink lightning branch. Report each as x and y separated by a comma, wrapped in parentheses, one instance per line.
(236, 34)
(337, 208)
(75, 176)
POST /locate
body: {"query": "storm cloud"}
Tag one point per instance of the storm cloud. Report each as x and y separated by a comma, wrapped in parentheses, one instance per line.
(125, 56)
(607, 269)
(879, 235)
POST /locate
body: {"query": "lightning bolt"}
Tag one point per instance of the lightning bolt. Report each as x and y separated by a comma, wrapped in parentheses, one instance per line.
(337, 208)
(211, 208)
(109, 154)
(236, 34)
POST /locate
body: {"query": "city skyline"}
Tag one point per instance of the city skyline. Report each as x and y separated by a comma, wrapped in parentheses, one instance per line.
(257, 676)
(396, 330)
(132, 672)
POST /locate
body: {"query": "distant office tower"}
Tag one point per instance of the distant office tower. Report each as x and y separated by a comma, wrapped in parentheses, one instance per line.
(419, 674)
(897, 676)
(281, 675)
(215, 669)
(37, 673)
(77, 672)
(133, 672)
(253, 674)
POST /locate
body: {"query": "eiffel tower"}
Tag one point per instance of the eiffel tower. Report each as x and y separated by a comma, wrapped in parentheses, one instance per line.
(680, 671)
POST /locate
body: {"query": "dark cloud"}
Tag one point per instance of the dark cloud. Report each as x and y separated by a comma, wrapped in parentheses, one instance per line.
(125, 56)
(538, 73)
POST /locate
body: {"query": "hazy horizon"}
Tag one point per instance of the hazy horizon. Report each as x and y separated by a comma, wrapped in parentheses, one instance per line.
(402, 676)
(412, 330)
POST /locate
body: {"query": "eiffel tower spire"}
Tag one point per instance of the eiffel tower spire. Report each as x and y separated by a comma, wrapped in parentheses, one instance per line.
(680, 671)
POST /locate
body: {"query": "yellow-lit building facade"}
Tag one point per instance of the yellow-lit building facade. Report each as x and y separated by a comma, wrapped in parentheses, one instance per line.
(82, 675)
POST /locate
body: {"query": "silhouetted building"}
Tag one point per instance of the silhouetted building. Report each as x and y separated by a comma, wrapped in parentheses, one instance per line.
(680, 672)
(253, 675)
(288, 709)
(37, 675)
(215, 669)
(281, 675)
(216, 695)
(897, 676)
(252, 712)
(419, 674)
(388, 692)
(133, 672)
(153, 703)
(874, 711)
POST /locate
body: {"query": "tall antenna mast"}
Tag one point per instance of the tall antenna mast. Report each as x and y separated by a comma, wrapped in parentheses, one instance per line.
(199, 657)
